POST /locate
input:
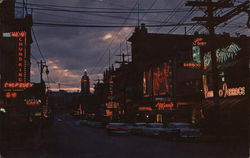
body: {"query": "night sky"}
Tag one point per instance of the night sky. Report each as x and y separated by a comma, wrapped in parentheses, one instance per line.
(70, 50)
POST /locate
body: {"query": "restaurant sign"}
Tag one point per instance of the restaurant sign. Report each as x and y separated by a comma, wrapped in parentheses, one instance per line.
(225, 91)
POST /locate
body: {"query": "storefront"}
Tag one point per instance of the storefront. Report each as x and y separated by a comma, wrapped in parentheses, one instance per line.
(230, 110)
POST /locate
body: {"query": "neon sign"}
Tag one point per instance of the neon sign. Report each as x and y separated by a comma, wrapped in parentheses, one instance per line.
(156, 80)
(145, 109)
(18, 85)
(222, 54)
(199, 42)
(162, 106)
(224, 91)
(191, 64)
(10, 95)
(21, 53)
(32, 102)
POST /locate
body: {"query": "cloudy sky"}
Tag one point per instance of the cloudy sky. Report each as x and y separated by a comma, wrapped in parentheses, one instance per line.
(70, 50)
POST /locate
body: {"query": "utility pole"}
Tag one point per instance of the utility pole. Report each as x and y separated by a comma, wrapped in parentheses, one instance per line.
(42, 66)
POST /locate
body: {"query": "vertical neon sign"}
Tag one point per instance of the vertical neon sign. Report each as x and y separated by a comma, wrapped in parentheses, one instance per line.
(21, 55)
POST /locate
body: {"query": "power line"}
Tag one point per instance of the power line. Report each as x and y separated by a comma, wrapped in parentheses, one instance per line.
(102, 69)
(108, 48)
(166, 20)
(49, 6)
(39, 50)
(106, 26)
(108, 16)
(103, 12)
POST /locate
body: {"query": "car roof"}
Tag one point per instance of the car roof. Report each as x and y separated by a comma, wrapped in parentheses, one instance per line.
(117, 124)
(179, 123)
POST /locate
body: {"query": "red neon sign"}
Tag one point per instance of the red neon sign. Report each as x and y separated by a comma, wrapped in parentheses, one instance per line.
(21, 62)
(145, 109)
(162, 106)
(199, 42)
(11, 95)
(18, 85)
(21, 54)
(18, 34)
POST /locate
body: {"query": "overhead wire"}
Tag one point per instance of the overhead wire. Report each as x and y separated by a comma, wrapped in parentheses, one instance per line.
(168, 18)
(103, 67)
(111, 42)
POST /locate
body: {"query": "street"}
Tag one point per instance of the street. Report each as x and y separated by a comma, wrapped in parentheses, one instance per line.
(67, 140)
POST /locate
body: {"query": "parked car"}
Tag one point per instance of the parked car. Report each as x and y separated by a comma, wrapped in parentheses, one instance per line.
(83, 122)
(185, 130)
(158, 129)
(118, 129)
(137, 128)
(152, 129)
(98, 124)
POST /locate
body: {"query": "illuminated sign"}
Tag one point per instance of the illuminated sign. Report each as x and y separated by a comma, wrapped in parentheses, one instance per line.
(162, 106)
(17, 85)
(32, 102)
(145, 109)
(192, 64)
(222, 54)
(21, 53)
(156, 80)
(199, 42)
(111, 105)
(10, 95)
(224, 91)
(109, 113)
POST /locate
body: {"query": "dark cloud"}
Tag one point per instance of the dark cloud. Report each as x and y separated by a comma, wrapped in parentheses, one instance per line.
(70, 50)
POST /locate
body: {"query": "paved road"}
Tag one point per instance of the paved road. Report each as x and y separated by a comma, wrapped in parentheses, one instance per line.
(66, 140)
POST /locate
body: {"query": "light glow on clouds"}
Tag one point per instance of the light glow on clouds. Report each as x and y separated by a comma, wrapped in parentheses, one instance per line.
(107, 36)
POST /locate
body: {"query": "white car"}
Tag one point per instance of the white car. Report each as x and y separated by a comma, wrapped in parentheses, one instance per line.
(185, 130)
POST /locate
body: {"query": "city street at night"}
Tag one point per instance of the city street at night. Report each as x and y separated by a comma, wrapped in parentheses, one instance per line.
(124, 78)
(67, 140)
